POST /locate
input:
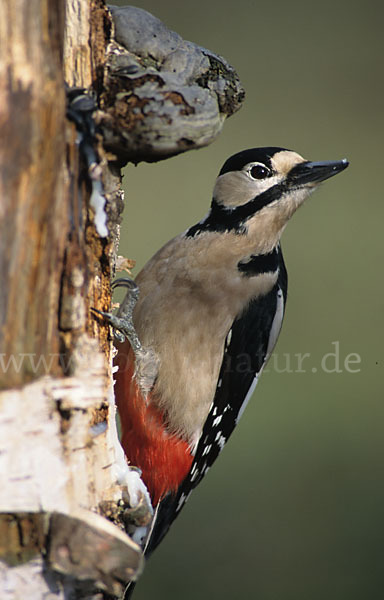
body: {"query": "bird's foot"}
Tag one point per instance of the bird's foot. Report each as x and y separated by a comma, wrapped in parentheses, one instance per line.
(122, 321)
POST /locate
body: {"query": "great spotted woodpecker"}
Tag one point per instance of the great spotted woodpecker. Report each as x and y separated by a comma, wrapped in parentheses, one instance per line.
(208, 316)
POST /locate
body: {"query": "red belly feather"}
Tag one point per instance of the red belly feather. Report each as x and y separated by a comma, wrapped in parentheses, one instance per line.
(163, 459)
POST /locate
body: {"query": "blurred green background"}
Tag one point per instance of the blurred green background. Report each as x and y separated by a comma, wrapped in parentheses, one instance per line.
(294, 508)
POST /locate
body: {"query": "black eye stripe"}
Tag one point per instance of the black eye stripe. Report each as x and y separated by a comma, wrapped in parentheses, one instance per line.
(221, 219)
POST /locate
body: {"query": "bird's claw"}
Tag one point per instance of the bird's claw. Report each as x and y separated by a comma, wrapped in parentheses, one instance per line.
(122, 321)
(114, 321)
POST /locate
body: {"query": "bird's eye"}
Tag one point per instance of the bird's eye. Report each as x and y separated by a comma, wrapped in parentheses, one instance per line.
(259, 172)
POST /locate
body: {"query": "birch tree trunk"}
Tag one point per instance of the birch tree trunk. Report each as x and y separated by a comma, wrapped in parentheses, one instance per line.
(66, 492)
(59, 457)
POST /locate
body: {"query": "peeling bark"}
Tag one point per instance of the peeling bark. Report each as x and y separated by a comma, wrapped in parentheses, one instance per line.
(62, 469)
(163, 95)
(67, 495)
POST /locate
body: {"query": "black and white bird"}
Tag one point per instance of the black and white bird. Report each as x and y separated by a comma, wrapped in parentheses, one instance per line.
(209, 313)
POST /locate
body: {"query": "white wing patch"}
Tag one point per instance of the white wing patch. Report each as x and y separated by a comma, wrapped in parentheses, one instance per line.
(276, 325)
(274, 334)
(224, 416)
(217, 420)
(248, 396)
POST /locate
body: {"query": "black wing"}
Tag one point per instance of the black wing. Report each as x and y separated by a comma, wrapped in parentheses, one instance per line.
(247, 348)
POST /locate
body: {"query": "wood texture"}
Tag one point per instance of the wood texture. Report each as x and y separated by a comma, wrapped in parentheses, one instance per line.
(33, 187)
(162, 95)
(67, 494)
(62, 468)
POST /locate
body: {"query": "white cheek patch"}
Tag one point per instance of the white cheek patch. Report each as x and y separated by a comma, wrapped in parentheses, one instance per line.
(236, 188)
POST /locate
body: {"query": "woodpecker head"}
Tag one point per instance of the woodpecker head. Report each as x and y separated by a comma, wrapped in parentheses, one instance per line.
(262, 188)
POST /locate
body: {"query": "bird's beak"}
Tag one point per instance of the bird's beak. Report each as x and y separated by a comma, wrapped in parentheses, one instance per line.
(308, 173)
